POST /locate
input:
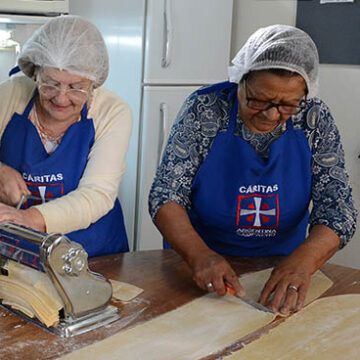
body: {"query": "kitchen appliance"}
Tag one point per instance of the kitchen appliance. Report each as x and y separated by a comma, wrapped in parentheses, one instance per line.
(57, 267)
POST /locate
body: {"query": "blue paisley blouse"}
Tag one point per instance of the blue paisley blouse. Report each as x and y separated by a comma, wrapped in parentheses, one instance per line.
(195, 128)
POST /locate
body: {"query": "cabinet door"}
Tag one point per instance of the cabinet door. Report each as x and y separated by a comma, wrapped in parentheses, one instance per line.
(160, 107)
(187, 41)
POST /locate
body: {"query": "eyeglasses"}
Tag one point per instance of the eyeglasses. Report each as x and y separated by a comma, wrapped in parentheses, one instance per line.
(49, 91)
(283, 109)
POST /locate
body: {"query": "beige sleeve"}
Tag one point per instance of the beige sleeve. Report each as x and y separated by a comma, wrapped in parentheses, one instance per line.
(98, 187)
(15, 93)
(6, 90)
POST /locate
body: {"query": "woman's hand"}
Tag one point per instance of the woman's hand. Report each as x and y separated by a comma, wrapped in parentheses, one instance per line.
(211, 272)
(12, 185)
(287, 286)
(31, 218)
(290, 280)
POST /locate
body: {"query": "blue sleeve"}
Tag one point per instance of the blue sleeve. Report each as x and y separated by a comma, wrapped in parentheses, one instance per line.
(333, 205)
(190, 139)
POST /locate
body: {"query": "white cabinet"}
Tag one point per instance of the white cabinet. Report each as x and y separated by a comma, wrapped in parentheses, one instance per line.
(187, 41)
(35, 6)
(160, 106)
(187, 45)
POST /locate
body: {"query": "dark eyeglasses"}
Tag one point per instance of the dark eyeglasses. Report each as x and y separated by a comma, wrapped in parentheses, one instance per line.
(283, 109)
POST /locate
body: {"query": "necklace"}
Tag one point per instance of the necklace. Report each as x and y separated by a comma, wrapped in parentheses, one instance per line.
(43, 132)
(46, 137)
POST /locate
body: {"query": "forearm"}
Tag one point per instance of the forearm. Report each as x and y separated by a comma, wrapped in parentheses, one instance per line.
(34, 219)
(210, 270)
(31, 217)
(174, 224)
(81, 207)
(321, 244)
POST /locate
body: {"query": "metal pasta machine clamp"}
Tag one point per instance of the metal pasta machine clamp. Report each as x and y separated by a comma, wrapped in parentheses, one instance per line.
(85, 294)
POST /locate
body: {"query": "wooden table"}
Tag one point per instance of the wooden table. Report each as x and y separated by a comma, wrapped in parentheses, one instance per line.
(167, 284)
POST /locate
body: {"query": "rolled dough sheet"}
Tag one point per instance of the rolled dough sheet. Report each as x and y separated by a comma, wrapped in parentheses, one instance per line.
(124, 291)
(192, 331)
(327, 329)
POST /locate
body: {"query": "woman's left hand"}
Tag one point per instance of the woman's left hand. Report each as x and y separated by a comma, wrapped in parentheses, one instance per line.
(31, 217)
(287, 286)
(290, 280)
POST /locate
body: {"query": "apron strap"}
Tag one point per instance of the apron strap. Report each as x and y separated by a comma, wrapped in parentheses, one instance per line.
(84, 112)
(289, 124)
(14, 70)
(30, 104)
(233, 116)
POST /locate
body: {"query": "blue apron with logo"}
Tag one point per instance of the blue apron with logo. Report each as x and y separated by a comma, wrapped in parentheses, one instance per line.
(52, 176)
(246, 205)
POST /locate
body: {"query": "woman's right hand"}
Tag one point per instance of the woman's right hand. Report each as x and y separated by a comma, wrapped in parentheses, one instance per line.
(12, 185)
(212, 272)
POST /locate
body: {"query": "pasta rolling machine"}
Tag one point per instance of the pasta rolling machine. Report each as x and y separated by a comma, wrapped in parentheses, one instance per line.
(45, 278)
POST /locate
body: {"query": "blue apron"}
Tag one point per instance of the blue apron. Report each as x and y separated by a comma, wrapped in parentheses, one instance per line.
(245, 205)
(55, 175)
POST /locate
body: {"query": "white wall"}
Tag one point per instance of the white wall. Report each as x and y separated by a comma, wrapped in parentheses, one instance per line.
(339, 88)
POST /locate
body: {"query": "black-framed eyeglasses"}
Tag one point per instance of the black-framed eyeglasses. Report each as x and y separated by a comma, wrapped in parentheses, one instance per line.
(283, 109)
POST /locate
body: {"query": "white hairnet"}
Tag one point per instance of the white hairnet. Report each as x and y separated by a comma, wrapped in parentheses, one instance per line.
(278, 47)
(68, 43)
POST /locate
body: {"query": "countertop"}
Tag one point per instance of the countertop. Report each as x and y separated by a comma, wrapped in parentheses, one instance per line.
(167, 284)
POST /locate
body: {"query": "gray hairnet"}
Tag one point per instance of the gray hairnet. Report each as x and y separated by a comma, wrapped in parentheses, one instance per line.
(68, 43)
(278, 47)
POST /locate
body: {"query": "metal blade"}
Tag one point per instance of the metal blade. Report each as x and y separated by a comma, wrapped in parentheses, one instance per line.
(254, 304)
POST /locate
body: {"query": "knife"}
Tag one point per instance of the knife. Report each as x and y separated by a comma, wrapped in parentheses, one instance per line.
(247, 300)
(25, 197)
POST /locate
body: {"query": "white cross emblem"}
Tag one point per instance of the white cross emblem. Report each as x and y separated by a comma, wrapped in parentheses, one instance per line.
(257, 211)
(42, 192)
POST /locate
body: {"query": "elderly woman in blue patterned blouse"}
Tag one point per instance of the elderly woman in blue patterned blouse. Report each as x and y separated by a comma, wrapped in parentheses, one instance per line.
(244, 160)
